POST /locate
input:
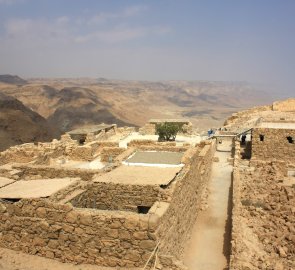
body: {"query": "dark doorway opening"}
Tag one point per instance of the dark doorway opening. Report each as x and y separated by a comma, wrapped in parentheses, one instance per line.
(82, 141)
(143, 209)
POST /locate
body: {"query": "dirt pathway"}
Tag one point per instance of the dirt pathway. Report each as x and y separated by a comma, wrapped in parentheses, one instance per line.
(209, 245)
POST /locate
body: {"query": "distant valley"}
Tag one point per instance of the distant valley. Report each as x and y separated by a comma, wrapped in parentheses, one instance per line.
(65, 104)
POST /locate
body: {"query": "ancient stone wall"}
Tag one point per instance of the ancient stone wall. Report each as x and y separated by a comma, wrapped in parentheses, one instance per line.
(21, 154)
(270, 143)
(111, 196)
(108, 154)
(125, 154)
(48, 227)
(262, 217)
(106, 238)
(185, 202)
(42, 153)
(27, 171)
(97, 146)
(81, 153)
(137, 143)
(149, 145)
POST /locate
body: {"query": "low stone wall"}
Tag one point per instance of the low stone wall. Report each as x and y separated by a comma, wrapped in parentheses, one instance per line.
(108, 154)
(176, 223)
(42, 153)
(137, 143)
(110, 196)
(262, 217)
(109, 238)
(18, 155)
(275, 144)
(150, 145)
(97, 146)
(125, 154)
(106, 238)
(236, 210)
(55, 172)
(163, 148)
(81, 153)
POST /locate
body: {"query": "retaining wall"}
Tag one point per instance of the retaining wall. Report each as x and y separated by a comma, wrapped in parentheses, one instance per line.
(111, 196)
(108, 238)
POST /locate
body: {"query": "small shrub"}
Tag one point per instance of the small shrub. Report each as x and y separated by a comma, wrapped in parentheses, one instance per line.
(167, 131)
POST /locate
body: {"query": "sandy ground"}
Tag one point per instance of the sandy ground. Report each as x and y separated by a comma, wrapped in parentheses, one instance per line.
(209, 245)
(14, 260)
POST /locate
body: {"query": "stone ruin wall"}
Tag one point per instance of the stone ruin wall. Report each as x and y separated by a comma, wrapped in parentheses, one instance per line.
(42, 153)
(274, 146)
(98, 145)
(109, 238)
(109, 154)
(262, 216)
(176, 224)
(33, 171)
(127, 153)
(21, 154)
(149, 145)
(239, 229)
(246, 114)
(111, 196)
(106, 238)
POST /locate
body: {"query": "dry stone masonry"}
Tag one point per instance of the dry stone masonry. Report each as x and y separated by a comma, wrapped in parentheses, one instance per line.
(102, 222)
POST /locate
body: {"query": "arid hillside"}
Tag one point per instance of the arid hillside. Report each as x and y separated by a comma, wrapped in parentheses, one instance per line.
(18, 124)
(69, 103)
(12, 79)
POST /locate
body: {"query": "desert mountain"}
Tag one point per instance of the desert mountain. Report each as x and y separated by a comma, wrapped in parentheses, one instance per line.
(11, 79)
(77, 106)
(19, 124)
(70, 103)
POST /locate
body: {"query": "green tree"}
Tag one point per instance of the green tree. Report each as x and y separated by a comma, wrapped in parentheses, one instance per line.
(166, 131)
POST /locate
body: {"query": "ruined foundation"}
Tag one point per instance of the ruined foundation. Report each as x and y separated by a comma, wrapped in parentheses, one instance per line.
(100, 221)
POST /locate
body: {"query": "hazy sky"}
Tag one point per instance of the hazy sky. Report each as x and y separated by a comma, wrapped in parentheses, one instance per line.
(252, 40)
